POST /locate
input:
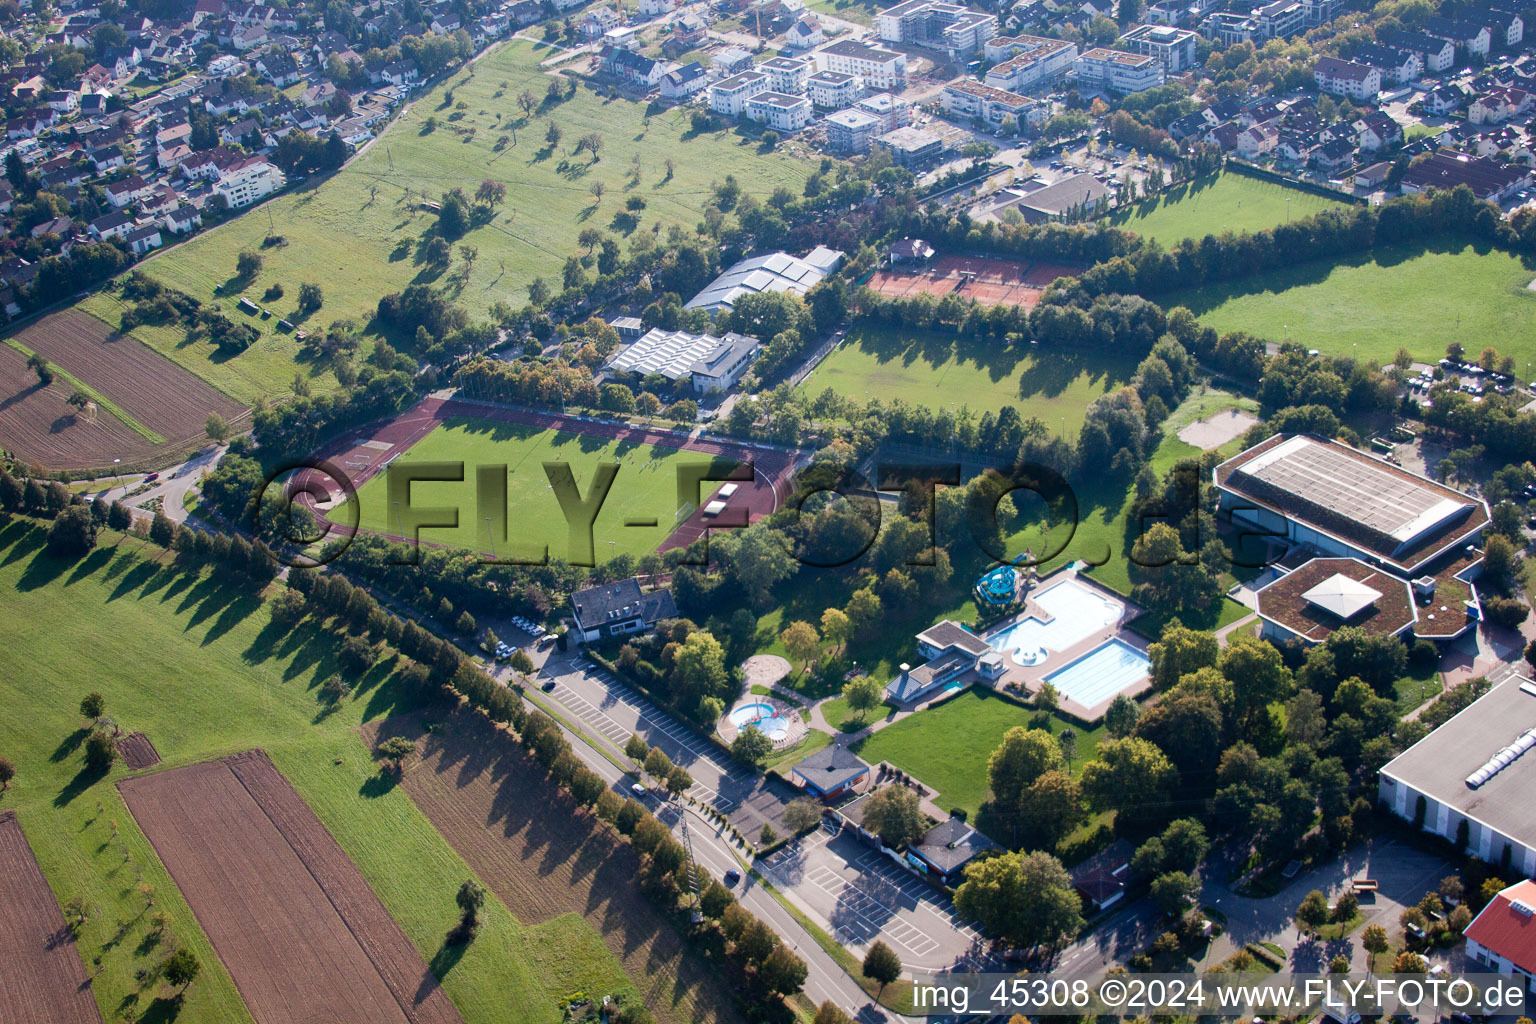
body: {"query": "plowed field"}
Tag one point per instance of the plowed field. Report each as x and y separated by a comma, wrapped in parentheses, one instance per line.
(42, 978)
(150, 389)
(544, 857)
(299, 929)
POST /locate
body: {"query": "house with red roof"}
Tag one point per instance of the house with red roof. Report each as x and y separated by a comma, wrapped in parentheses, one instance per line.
(1503, 937)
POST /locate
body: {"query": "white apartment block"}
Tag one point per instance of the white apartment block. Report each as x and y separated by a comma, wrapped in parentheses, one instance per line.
(656, 8)
(1118, 71)
(851, 131)
(893, 111)
(965, 98)
(779, 111)
(248, 182)
(1174, 48)
(832, 91)
(1038, 60)
(938, 24)
(1280, 19)
(729, 96)
(880, 69)
(787, 74)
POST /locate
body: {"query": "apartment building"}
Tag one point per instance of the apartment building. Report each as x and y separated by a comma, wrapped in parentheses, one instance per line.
(729, 96)
(1037, 61)
(779, 111)
(1174, 48)
(1118, 71)
(880, 69)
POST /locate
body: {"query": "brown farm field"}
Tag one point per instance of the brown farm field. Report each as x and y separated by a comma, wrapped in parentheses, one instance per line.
(157, 404)
(545, 857)
(42, 978)
(301, 932)
(38, 426)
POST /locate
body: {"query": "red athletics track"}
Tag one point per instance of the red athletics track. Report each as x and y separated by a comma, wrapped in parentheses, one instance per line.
(363, 453)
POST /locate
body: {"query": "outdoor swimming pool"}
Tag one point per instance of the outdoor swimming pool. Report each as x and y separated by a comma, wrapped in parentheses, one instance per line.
(1100, 674)
(763, 718)
(1077, 613)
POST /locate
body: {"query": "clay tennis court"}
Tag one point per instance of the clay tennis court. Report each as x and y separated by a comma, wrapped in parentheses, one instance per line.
(989, 280)
(43, 978)
(303, 935)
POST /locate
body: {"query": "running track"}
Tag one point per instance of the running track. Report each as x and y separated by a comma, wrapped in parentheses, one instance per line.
(362, 454)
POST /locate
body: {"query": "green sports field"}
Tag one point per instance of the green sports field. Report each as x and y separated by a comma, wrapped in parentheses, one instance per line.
(645, 487)
(358, 233)
(940, 371)
(196, 665)
(1210, 206)
(1416, 297)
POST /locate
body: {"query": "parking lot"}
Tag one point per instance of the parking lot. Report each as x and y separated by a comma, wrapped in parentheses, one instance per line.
(611, 709)
(860, 895)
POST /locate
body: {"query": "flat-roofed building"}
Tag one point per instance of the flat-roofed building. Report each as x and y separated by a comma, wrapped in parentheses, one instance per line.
(938, 24)
(729, 96)
(851, 131)
(1228, 29)
(1118, 70)
(973, 99)
(1324, 594)
(779, 111)
(880, 68)
(1174, 48)
(893, 111)
(787, 74)
(1280, 18)
(1471, 779)
(1315, 491)
(832, 90)
(1036, 60)
(911, 147)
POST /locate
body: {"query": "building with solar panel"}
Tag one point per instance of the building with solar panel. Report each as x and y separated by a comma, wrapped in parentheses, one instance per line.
(1471, 779)
(1378, 533)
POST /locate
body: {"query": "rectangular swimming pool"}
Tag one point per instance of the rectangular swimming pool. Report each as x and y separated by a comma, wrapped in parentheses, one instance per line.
(1076, 614)
(1096, 677)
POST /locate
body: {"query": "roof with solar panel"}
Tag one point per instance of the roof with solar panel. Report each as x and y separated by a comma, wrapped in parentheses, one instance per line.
(1384, 511)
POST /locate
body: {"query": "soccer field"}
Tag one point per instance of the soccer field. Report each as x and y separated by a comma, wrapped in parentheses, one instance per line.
(645, 488)
(1414, 297)
(940, 371)
(1210, 206)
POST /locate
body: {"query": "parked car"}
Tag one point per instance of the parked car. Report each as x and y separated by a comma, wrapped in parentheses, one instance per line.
(732, 877)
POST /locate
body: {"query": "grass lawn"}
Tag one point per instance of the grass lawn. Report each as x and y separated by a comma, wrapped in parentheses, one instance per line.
(1213, 205)
(1100, 535)
(849, 10)
(947, 747)
(359, 232)
(195, 665)
(265, 370)
(1449, 292)
(1423, 131)
(1414, 690)
(939, 371)
(533, 512)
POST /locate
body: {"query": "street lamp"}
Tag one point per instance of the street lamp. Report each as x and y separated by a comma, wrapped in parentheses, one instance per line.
(118, 476)
(492, 535)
